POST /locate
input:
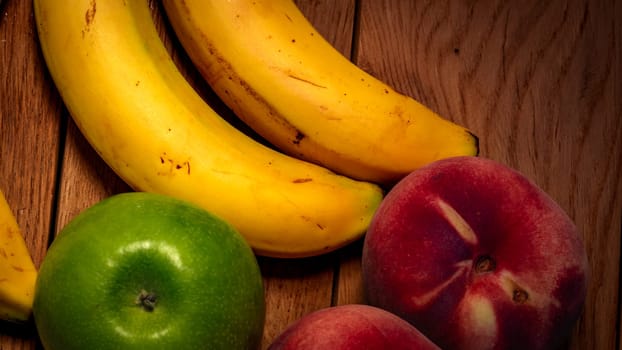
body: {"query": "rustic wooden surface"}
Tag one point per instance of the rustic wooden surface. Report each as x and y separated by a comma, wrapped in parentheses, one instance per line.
(538, 81)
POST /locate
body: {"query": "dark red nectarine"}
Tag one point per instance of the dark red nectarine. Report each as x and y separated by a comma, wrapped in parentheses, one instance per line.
(476, 256)
(351, 327)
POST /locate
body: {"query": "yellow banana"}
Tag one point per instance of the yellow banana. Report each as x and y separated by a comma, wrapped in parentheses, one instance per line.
(276, 72)
(17, 271)
(144, 119)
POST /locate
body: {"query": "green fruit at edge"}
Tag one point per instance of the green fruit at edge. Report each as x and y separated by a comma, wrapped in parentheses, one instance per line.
(146, 271)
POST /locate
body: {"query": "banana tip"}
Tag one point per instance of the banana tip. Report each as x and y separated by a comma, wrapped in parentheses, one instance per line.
(475, 142)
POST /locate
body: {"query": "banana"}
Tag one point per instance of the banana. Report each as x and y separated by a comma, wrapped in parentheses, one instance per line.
(17, 270)
(143, 118)
(278, 74)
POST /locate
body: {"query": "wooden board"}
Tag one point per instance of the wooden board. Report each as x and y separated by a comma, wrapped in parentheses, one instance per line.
(538, 82)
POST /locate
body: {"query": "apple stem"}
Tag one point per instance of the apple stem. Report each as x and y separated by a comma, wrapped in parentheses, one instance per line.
(484, 263)
(147, 300)
(520, 296)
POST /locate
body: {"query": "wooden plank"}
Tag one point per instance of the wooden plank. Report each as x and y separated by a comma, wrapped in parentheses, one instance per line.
(617, 92)
(29, 141)
(538, 82)
(29, 127)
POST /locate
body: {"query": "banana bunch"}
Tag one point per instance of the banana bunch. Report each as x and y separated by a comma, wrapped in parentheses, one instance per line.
(143, 118)
(17, 271)
(278, 74)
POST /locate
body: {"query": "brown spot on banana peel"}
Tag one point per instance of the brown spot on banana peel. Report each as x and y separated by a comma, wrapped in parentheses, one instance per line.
(306, 81)
(89, 16)
(299, 137)
(318, 225)
(173, 165)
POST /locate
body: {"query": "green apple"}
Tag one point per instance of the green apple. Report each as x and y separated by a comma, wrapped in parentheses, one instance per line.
(146, 271)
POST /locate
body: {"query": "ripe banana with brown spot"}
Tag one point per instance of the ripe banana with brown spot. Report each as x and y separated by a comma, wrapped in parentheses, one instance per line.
(17, 271)
(139, 113)
(277, 73)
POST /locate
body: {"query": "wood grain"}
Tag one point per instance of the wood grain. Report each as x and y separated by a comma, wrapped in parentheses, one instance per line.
(539, 82)
(29, 142)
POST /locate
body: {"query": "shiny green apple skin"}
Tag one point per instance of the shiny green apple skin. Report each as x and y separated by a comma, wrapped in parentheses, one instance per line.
(145, 271)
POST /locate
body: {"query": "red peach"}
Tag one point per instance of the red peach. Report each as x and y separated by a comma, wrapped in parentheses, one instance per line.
(476, 256)
(351, 327)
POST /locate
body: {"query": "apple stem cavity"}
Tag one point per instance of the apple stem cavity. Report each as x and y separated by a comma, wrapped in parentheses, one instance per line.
(147, 300)
(484, 264)
(519, 296)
